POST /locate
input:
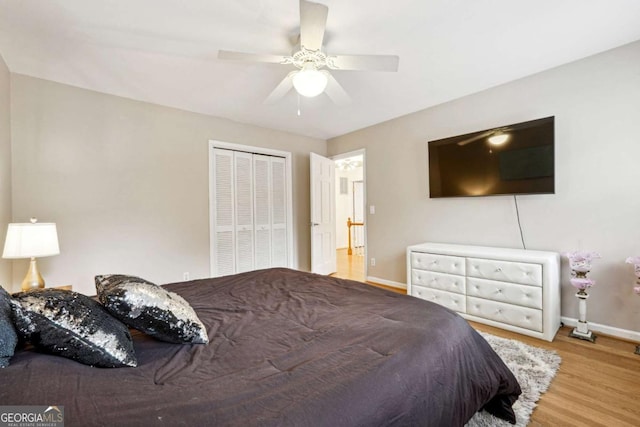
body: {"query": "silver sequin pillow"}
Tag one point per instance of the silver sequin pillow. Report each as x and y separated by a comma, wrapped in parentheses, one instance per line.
(74, 326)
(151, 309)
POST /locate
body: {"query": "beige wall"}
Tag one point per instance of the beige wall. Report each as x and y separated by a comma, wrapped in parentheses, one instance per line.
(5, 167)
(127, 182)
(596, 104)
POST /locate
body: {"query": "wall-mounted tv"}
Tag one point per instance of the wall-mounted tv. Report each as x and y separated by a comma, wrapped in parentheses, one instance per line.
(511, 159)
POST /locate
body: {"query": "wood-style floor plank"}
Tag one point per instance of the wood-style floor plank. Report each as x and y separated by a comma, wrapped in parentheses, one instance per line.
(596, 385)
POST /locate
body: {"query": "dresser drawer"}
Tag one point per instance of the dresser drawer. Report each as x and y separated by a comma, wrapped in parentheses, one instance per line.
(524, 317)
(442, 281)
(522, 295)
(439, 263)
(453, 301)
(505, 271)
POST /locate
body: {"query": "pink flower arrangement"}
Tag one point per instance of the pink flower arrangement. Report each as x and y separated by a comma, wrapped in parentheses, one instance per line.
(582, 283)
(580, 262)
(635, 260)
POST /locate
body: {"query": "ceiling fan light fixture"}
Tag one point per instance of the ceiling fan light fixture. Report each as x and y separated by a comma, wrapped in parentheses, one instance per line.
(498, 138)
(309, 81)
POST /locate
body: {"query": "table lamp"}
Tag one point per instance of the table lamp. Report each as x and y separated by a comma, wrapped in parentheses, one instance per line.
(31, 240)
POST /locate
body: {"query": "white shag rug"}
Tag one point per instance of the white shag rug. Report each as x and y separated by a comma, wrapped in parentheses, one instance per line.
(533, 367)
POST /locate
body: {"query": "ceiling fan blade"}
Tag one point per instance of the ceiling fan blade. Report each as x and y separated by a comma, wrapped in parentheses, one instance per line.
(253, 57)
(281, 90)
(313, 21)
(484, 135)
(335, 91)
(363, 62)
(474, 138)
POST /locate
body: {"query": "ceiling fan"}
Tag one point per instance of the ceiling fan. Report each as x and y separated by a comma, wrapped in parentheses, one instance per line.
(309, 76)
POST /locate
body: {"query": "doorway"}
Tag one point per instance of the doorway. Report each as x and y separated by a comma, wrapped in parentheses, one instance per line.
(350, 202)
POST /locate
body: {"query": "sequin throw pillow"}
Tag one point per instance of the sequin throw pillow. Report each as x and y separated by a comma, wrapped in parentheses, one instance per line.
(151, 309)
(74, 326)
(8, 337)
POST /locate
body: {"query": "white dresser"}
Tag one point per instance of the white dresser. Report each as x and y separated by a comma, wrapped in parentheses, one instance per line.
(512, 289)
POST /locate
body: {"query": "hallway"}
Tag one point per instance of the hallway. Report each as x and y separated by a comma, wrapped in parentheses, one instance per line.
(349, 266)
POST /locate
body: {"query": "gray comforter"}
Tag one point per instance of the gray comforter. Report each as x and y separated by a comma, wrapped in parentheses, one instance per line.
(286, 348)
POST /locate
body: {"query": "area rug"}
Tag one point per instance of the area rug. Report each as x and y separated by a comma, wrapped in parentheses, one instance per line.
(533, 367)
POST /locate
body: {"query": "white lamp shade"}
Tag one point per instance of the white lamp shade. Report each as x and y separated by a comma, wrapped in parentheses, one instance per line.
(27, 240)
(310, 82)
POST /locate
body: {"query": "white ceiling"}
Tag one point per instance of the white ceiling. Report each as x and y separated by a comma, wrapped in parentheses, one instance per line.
(164, 51)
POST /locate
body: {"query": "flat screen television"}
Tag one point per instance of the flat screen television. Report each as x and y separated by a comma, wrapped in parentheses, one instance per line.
(512, 159)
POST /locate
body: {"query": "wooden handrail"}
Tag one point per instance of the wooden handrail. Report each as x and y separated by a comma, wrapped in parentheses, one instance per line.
(349, 225)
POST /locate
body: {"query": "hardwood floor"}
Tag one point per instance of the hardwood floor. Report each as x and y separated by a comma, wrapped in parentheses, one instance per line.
(349, 266)
(596, 385)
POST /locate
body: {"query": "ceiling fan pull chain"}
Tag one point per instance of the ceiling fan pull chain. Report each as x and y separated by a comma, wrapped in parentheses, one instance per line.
(298, 105)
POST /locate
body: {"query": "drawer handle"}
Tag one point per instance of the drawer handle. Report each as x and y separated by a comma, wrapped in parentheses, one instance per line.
(498, 270)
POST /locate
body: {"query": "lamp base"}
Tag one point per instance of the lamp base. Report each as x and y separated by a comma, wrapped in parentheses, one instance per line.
(587, 336)
(33, 279)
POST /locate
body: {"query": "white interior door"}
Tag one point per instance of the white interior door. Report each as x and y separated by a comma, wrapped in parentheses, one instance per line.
(262, 207)
(323, 215)
(358, 215)
(250, 208)
(278, 179)
(243, 184)
(223, 212)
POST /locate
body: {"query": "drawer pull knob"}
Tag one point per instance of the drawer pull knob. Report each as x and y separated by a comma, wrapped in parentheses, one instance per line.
(498, 270)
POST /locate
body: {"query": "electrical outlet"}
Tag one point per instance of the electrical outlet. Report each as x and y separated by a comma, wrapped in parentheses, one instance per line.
(373, 262)
(185, 275)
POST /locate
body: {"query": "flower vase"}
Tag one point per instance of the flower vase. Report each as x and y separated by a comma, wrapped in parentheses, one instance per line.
(582, 331)
(636, 289)
(580, 264)
(636, 269)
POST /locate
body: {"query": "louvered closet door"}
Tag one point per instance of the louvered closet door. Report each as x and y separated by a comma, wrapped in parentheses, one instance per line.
(223, 242)
(243, 183)
(279, 250)
(262, 205)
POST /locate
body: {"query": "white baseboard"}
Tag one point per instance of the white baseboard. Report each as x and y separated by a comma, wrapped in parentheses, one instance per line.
(386, 282)
(608, 330)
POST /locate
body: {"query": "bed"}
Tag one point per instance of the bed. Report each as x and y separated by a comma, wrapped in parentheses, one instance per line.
(286, 348)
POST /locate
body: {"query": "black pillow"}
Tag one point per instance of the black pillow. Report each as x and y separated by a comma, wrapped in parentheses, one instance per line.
(74, 326)
(8, 337)
(151, 309)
